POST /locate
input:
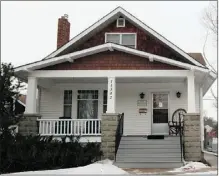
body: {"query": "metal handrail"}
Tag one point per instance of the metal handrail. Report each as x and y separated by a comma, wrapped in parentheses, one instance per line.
(119, 132)
(181, 136)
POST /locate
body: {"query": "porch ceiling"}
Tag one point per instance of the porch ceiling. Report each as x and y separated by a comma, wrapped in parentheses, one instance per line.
(118, 80)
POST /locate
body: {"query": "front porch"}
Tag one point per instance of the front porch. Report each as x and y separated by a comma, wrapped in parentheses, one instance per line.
(81, 100)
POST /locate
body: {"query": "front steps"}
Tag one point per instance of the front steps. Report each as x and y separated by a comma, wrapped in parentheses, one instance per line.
(140, 152)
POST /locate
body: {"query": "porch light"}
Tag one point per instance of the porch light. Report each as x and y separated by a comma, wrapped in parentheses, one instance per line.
(142, 95)
(178, 94)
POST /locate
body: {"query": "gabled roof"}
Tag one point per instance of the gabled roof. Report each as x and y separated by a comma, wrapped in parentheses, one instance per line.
(113, 15)
(101, 48)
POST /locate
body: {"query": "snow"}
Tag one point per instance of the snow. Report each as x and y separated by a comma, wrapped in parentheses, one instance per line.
(202, 173)
(190, 166)
(101, 167)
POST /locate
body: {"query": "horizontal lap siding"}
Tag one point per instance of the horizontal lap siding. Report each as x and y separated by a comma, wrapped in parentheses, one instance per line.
(50, 102)
(127, 94)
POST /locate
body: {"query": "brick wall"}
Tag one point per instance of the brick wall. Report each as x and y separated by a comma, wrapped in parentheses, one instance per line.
(114, 60)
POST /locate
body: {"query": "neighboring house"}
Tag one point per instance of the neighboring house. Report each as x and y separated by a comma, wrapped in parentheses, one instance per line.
(119, 65)
(18, 104)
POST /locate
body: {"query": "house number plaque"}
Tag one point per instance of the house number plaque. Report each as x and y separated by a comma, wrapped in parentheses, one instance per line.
(111, 89)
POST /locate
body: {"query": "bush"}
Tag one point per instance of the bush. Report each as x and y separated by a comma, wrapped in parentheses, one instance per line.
(27, 153)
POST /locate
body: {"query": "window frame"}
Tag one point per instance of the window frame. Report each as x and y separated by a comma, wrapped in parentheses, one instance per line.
(88, 99)
(106, 100)
(120, 37)
(117, 22)
(67, 104)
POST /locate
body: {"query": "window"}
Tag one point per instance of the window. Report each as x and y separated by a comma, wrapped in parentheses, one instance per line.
(160, 108)
(67, 103)
(104, 101)
(87, 104)
(125, 39)
(120, 22)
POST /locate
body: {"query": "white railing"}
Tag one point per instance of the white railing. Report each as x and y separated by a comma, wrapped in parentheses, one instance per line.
(76, 127)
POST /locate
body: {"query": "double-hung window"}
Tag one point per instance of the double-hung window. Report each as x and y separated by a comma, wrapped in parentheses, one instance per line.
(87, 104)
(67, 103)
(125, 39)
(104, 101)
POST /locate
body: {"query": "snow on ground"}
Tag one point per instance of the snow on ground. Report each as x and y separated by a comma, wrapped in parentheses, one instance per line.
(190, 166)
(202, 173)
(100, 167)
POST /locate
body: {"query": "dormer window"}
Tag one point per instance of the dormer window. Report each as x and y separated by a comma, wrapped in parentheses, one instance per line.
(125, 39)
(120, 22)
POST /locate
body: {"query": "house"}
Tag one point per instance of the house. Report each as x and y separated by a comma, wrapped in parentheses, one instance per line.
(120, 65)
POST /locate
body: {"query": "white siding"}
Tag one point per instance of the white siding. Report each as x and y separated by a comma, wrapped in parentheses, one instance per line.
(127, 94)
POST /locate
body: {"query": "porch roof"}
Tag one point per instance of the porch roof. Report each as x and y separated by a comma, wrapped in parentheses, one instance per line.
(105, 47)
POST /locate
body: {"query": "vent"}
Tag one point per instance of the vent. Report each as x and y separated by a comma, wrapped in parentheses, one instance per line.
(120, 22)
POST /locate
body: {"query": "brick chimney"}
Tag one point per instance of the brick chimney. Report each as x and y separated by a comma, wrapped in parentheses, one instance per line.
(63, 33)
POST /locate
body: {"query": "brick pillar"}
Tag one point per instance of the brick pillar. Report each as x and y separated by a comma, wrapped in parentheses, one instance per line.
(28, 124)
(109, 124)
(192, 137)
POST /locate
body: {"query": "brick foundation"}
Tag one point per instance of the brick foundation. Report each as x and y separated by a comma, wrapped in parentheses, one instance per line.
(28, 125)
(109, 124)
(192, 139)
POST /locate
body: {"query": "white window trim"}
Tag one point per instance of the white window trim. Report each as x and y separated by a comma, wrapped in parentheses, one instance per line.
(63, 113)
(120, 37)
(117, 22)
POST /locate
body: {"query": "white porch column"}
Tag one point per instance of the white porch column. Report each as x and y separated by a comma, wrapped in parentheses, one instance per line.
(111, 96)
(191, 93)
(31, 96)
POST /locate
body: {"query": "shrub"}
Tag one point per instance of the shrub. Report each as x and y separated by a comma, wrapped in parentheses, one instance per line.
(27, 153)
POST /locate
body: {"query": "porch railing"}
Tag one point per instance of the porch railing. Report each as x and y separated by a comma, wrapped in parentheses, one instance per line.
(76, 127)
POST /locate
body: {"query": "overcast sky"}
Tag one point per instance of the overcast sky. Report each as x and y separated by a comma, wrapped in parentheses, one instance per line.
(29, 29)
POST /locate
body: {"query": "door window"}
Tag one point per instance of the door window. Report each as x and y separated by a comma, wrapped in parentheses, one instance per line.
(160, 108)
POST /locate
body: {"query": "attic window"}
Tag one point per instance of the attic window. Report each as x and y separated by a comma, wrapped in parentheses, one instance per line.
(125, 39)
(120, 22)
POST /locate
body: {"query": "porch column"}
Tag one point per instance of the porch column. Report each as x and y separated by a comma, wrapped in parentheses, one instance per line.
(191, 93)
(31, 96)
(111, 97)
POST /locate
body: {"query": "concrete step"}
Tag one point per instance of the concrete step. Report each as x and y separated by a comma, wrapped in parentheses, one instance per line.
(152, 146)
(151, 165)
(150, 142)
(151, 159)
(147, 150)
(140, 138)
(148, 155)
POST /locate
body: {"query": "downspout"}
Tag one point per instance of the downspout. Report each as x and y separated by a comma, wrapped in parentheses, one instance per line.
(201, 116)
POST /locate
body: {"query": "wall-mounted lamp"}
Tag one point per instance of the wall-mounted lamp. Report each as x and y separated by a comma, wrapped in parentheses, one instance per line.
(178, 94)
(142, 95)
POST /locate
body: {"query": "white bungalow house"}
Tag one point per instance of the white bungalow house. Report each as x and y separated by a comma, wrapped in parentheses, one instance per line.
(117, 65)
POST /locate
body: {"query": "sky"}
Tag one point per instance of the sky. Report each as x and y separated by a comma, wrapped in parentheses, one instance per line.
(29, 29)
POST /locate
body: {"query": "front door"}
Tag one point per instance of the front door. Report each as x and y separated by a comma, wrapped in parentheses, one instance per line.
(160, 113)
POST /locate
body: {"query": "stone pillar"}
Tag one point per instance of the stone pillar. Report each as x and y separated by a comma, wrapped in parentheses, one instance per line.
(192, 137)
(109, 124)
(28, 124)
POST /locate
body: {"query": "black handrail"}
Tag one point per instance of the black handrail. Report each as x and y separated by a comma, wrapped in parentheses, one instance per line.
(119, 132)
(181, 137)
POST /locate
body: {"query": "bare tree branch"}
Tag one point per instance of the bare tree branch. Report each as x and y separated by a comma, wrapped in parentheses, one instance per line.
(215, 98)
